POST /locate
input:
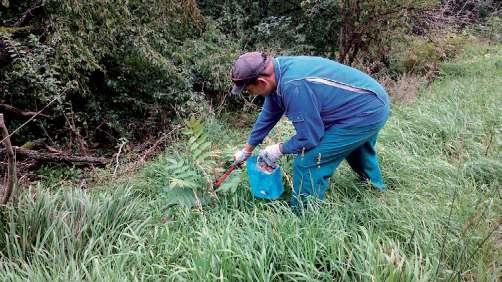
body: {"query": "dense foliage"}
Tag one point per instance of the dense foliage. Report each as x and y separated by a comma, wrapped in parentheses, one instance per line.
(116, 67)
(337, 29)
(368, 34)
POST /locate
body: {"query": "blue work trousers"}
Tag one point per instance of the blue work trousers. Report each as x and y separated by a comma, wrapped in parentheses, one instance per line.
(312, 169)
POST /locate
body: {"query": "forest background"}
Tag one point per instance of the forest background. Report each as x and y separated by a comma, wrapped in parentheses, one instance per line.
(126, 69)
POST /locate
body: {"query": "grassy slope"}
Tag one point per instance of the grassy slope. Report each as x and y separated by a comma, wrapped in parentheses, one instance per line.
(441, 157)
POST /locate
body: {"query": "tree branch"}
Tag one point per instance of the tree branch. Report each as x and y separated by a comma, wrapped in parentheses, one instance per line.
(20, 112)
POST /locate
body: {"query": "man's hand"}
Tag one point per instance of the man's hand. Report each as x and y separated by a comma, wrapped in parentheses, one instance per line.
(270, 154)
(242, 155)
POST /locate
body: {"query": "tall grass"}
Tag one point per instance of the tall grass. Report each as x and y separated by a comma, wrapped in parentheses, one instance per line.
(439, 220)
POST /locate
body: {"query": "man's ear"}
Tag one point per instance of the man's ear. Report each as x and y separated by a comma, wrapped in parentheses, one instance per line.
(261, 81)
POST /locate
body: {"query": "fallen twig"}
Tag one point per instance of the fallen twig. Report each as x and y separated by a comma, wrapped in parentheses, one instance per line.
(48, 157)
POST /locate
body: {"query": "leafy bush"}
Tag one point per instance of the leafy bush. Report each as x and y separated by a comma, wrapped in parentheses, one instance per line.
(376, 36)
(490, 29)
(29, 78)
(121, 66)
(470, 10)
(332, 28)
(423, 55)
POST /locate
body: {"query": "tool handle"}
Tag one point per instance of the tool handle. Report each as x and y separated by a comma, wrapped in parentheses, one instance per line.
(224, 176)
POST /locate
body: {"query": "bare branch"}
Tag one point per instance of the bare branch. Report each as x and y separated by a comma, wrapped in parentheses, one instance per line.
(20, 112)
(163, 139)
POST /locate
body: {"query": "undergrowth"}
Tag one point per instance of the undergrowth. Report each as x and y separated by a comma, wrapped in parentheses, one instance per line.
(439, 220)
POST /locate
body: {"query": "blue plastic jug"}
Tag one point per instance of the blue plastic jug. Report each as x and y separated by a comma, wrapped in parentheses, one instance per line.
(264, 184)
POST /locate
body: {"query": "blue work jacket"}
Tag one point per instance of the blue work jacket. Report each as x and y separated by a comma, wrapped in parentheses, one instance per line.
(315, 94)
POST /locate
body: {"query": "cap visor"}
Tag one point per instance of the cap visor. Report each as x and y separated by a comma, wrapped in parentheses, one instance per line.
(237, 89)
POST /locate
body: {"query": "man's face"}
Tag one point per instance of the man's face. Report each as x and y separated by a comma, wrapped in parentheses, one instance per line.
(261, 87)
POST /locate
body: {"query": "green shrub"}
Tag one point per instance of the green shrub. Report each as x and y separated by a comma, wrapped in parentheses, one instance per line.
(423, 55)
(490, 29)
(416, 55)
(29, 78)
(359, 33)
(359, 29)
(125, 66)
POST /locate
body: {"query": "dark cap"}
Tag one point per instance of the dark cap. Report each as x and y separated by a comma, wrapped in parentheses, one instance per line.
(247, 68)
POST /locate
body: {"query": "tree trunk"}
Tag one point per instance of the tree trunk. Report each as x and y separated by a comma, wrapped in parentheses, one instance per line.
(10, 180)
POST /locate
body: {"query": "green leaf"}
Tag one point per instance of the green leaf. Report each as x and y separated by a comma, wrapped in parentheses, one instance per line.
(204, 146)
(182, 196)
(231, 184)
(181, 183)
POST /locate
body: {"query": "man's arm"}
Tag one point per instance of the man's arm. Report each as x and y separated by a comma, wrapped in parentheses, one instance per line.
(248, 148)
(270, 114)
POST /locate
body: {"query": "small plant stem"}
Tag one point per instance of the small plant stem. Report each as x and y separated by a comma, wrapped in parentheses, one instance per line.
(474, 218)
(446, 233)
(483, 241)
(212, 192)
(117, 157)
(197, 200)
(346, 269)
(412, 236)
(288, 178)
(489, 143)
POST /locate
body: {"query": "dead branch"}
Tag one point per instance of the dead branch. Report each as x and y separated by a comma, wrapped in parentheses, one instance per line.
(11, 167)
(162, 140)
(55, 157)
(133, 166)
(82, 145)
(20, 112)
